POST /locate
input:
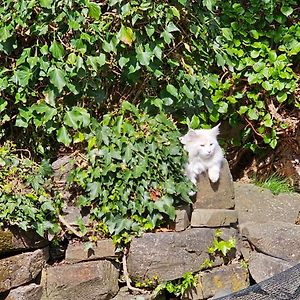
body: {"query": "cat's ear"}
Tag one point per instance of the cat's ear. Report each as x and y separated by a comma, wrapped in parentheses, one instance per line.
(215, 130)
(189, 137)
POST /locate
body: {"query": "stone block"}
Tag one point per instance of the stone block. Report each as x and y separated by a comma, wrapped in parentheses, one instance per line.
(26, 292)
(219, 281)
(93, 280)
(215, 195)
(277, 239)
(15, 239)
(213, 217)
(262, 266)
(183, 217)
(168, 255)
(103, 249)
(22, 268)
(259, 205)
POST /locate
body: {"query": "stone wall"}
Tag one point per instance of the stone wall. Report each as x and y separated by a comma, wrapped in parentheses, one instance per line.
(264, 225)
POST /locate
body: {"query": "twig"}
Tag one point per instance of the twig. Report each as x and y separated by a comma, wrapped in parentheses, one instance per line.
(127, 278)
(68, 225)
(252, 127)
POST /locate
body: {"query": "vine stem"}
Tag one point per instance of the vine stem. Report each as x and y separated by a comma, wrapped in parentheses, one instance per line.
(126, 275)
(68, 225)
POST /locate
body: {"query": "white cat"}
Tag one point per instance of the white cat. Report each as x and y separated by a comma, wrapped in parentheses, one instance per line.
(204, 153)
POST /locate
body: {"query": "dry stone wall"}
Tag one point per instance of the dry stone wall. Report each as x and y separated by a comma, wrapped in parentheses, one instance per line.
(264, 226)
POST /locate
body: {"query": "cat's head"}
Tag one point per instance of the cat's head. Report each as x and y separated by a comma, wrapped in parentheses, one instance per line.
(202, 142)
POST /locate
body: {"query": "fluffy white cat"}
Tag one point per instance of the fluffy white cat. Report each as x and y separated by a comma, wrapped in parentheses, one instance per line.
(204, 153)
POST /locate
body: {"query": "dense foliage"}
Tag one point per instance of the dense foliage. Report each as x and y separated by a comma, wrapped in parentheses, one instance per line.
(67, 65)
(26, 196)
(133, 174)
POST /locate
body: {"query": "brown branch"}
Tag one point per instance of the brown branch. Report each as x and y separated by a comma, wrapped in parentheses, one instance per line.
(252, 127)
(68, 225)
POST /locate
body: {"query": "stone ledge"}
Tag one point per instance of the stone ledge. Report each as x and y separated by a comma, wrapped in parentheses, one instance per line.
(27, 292)
(103, 249)
(213, 217)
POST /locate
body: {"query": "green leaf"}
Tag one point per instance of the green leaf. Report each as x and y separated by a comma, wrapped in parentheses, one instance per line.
(267, 85)
(144, 58)
(57, 78)
(126, 35)
(63, 136)
(172, 90)
(77, 117)
(227, 33)
(57, 50)
(286, 10)
(94, 10)
(46, 3)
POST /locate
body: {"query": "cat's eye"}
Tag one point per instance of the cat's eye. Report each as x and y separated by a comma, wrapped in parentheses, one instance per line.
(210, 144)
(202, 145)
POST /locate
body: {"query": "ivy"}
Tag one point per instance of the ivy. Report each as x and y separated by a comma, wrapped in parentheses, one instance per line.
(131, 181)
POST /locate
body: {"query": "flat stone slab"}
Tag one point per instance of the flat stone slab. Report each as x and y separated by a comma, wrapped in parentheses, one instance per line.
(262, 266)
(168, 255)
(183, 217)
(213, 217)
(215, 195)
(277, 239)
(103, 249)
(22, 268)
(15, 239)
(258, 205)
(26, 292)
(93, 280)
(219, 281)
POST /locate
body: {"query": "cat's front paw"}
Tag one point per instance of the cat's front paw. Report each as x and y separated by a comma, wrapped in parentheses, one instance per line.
(213, 176)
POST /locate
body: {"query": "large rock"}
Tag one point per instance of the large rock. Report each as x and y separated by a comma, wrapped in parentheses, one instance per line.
(26, 292)
(19, 269)
(216, 195)
(262, 266)
(183, 217)
(202, 217)
(258, 205)
(94, 280)
(103, 249)
(277, 239)
(168, 255)
(124, 294)
(15, 239)
(225, 279)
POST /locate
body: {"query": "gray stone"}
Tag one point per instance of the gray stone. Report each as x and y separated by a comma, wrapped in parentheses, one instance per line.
(72, 214)
(62, 167)
(15, 239)
(168, 255)
(183, 217)
(19, 269)
(103, 249)
(258, 205)
(213, 217)
(221, 281)
(26, 292)
(93, 280)
(277, 239)
(216, 195)
(124, 294)
(262, 266)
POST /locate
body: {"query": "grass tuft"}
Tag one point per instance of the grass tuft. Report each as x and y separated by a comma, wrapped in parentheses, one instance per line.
(276, 184)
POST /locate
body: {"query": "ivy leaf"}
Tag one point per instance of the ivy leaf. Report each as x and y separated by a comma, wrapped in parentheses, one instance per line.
(227, 33)
(63, 136)
(46, 3)
(57, 50)
(144, 58)
(94, 10)
(57, 78)
(172, 90)
(126, 35)
(286, 10)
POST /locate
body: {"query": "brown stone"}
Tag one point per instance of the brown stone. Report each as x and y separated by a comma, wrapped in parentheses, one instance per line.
(26, 292)
(19, 269)
(213, 217)
(103, 249)
(168, 255)
(221, 281)
(183, 217)
(216, 195)
(15, 239)
(93, 280)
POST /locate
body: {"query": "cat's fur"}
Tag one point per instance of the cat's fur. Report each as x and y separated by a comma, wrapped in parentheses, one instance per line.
(204, 153)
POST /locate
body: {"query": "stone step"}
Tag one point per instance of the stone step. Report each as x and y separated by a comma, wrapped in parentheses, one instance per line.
(213, 217)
